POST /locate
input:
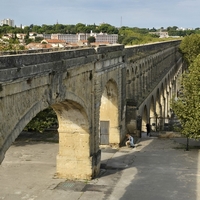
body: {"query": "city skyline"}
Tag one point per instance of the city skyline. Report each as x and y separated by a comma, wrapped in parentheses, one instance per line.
(132, 13)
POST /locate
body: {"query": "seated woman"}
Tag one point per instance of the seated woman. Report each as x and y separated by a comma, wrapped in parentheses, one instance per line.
(130, 141)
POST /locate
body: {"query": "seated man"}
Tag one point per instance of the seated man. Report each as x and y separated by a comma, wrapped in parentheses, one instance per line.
(130, 140)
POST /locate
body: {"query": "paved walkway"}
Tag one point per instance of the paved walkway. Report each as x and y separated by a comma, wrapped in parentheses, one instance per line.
(157, 169)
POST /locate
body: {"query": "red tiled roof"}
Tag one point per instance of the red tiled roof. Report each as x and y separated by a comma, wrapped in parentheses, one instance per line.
(38, 46)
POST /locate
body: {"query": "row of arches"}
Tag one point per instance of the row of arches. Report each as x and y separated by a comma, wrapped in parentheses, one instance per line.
(143, 74)
(86, 125)
(156, 110)
(79, 154)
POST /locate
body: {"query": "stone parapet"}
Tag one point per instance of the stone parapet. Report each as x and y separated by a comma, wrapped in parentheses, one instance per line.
(97, 94)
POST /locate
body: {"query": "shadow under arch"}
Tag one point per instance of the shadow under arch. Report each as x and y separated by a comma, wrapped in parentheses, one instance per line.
(74, 158)
(109, 115)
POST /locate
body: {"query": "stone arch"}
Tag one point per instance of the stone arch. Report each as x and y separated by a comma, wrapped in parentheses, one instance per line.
(144, 119)
(132, 83)
(22, 121)
(136, 92)
(162, 106)
(142, 74)
(158, 113)
(167, 103)
(154, 69)
(109, 116)
(140, 81)
(73, 160)
(152, 117)
(129, 81)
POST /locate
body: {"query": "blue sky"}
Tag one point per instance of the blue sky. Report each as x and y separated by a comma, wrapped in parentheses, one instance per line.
(132, 13)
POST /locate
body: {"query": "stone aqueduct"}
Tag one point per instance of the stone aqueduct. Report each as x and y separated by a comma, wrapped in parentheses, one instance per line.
(111, 90)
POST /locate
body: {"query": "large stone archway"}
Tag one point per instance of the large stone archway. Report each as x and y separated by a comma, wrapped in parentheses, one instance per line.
(73, 160)
(109, 125)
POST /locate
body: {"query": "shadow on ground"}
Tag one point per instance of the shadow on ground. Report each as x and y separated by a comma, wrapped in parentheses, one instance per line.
(28, 138)
(158, 168)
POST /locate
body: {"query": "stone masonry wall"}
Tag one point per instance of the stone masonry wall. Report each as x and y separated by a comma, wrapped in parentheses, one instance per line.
(29, 83)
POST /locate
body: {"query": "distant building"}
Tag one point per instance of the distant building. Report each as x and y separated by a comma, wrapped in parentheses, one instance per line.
(83, 36)
(104, 37)
(160, 34)
(21, 36)
(54, 42)
(69, 38)
(8, 22)
(75, 38)
(47, 36)
(38, 46)
(34, 36)
(7, 36)
(184, 29)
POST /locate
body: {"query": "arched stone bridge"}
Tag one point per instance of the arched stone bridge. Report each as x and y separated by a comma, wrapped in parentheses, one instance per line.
(97, 94)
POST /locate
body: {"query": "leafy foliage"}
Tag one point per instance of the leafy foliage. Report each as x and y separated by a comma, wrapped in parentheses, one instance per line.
(91, 39)
(11, 45)
(187, 106)
(190, 47)
(135, 36)
(174, 31)
(43, 120)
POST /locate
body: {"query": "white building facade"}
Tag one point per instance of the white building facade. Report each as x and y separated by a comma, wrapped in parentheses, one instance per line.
(9, 22)
(104, 37)
(74, 38)
(69, 38)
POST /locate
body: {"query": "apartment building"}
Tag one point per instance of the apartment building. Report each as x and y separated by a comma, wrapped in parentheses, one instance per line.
(47, 36)
(104, 37)
(69, 38)
(75, 38)
(9, 22)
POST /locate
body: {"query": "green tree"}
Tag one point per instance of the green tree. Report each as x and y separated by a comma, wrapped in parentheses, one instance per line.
(43, 120)
(187, 105)
(130, 40)
(153, 30)
(107, 28)
(190, 47)
(91, 39)
(27, 39)
(38, 39)
(80, 28)
(36, 29)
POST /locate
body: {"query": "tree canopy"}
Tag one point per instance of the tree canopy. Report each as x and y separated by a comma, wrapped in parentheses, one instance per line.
(187, 106)
(190, 47)
(91, 39)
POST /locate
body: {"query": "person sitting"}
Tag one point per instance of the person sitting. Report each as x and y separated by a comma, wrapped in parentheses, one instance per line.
(130, 141)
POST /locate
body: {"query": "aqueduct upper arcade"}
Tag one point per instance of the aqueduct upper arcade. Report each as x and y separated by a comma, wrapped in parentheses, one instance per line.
(97, 94)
